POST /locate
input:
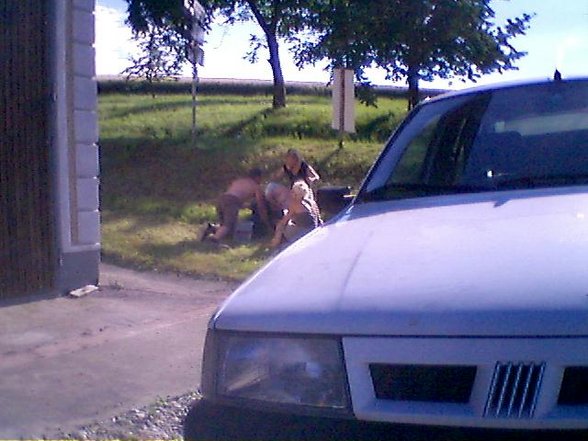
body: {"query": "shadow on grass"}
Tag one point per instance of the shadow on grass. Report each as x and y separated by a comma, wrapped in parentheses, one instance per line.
(225, 140)
(261, 101)
(135, 222)
(222, 265)
(188, 217)
(329, 157)
(260, 249)
(156, 106)
(166, 251)
(270, 123)
(173, 173)
(183, 103)
(236, 129)
(377, 129)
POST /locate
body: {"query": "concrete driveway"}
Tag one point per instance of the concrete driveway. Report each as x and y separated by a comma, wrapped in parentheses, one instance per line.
(66, 361)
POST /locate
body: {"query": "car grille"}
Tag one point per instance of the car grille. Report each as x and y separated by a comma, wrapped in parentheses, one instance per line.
(494, 383)
(574, 387)
(449, 384)
(514, 390)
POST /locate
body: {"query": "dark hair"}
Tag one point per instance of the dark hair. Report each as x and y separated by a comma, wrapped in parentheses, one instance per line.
(255, 172)
(294, 154)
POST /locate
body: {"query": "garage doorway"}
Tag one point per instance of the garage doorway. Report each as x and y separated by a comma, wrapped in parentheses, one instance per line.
(27, 245)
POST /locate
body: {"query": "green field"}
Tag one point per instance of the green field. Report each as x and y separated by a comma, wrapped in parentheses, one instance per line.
(157, 188)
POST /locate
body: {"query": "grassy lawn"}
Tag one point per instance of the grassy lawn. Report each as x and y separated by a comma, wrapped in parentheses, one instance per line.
(157, 188)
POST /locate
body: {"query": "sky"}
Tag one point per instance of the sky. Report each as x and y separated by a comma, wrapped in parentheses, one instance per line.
(557, 38)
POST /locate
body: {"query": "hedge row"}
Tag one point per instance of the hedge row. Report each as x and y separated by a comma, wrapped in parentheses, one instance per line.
(232, 87)
(205, 86)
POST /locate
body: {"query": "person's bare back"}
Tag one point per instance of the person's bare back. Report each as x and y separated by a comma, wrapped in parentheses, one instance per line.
(240, 193)
(244, 189)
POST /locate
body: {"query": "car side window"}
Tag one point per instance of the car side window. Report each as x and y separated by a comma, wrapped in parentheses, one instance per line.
(437, 155)
(493, 140)
(411, 165)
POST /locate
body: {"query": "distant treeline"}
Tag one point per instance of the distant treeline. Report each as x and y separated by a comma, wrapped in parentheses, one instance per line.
(233, 87)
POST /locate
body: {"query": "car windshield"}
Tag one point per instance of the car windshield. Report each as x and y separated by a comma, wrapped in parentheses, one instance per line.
(519, 137)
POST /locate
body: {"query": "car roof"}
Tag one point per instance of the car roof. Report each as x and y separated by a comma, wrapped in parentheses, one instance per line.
(501, 86)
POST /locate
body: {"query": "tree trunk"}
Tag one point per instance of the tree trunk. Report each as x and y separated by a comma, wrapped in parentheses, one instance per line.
(269, 29)
(279, 84)
(413, 87)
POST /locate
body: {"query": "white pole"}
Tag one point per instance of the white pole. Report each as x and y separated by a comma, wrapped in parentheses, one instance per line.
(194, 84)
(194, 70)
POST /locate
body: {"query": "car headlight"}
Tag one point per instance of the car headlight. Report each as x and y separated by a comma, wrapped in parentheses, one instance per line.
(302, 371)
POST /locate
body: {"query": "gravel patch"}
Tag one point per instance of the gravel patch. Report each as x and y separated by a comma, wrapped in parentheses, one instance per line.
(162, 420)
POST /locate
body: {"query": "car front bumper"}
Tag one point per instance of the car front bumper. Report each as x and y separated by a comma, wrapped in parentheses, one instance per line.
(210, 421)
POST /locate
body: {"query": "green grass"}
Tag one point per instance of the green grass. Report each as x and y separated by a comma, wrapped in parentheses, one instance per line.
(157, 188)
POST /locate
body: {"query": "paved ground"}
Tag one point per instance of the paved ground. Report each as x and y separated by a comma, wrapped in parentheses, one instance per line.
(66, 361)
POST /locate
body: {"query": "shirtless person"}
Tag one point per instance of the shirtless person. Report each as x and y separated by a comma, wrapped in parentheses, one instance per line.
(240, 192)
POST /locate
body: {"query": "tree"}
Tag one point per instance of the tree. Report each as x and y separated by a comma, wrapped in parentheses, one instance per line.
(412, 40)
(169, 14)
(337, 30)
(158, 57)
(277, 19)
(334, 29)
(442, 38)
(164, 31)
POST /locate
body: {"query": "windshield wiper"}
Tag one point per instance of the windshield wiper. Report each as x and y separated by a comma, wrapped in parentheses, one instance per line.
(540, 181)
(394, 190)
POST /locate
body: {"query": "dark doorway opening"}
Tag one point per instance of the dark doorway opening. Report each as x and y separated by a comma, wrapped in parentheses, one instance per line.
(27, 245)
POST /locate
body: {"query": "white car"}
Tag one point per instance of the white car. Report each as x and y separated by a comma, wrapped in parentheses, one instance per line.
(450, 295)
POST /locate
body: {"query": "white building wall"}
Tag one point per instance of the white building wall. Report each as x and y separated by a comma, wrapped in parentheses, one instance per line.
(77, 104)
(75, 142)
(85, 103)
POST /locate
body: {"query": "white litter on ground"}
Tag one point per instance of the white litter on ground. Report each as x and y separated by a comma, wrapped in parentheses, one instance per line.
(85, 290)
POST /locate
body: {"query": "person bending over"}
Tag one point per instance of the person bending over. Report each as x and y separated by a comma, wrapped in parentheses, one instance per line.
(240, 192)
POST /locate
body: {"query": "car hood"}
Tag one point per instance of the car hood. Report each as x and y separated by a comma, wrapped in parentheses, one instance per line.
(494, 264)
